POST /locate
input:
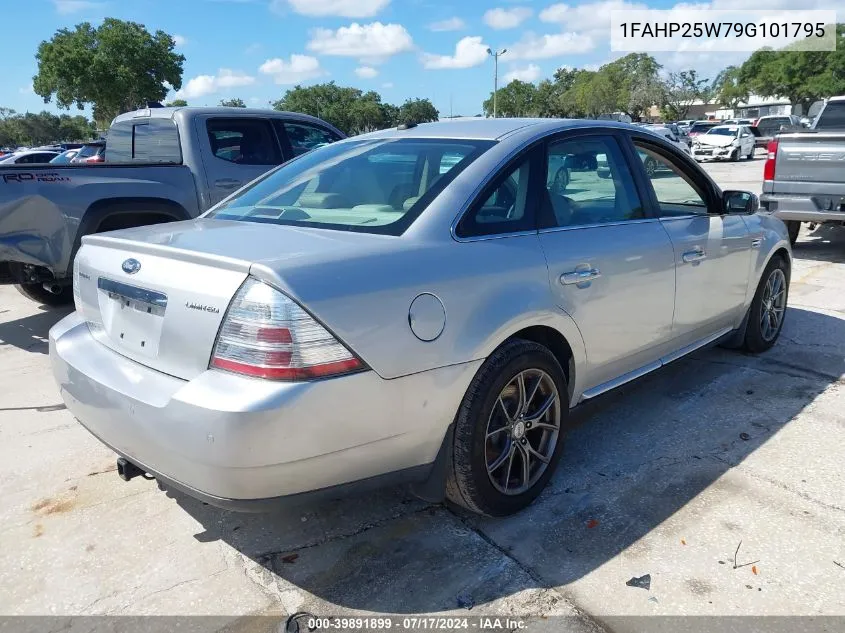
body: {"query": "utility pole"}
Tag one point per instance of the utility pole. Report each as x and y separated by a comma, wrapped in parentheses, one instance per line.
(495, 57)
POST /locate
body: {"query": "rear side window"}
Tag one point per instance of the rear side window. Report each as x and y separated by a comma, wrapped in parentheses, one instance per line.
(304, 137)
(243, 141)
(832, 117)
(504, 206)
(141, 141)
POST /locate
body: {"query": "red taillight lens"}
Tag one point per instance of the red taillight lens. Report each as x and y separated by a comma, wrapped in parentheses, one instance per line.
(267, 335)
(771, 155)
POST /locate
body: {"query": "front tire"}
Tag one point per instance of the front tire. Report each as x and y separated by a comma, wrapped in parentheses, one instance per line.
(508, 430)
(793, 227)
(768, 308)
(39, 294)
(734, 156)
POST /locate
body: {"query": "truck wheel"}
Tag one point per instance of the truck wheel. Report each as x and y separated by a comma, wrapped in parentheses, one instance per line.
(508, 430)
(39, 294)
(793, 227)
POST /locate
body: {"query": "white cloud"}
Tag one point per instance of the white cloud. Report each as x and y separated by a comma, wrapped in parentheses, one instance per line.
(506, 18)
(452, 24)
(374, 42)
(67, 7)
(202, 85)
(26, 90)
(469, 52)
(533, 46)
(180, 40)
(332, 8)
(530, 73)
(298, 68)
(587, 17)
(366, 72)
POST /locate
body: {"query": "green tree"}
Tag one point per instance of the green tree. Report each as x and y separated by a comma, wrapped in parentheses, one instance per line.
(39, 129)
(727, 88)
(800, 76)
(517, 99)
(232, 103)
(682, 89)
(636, 82)
(176, 103)
(116, 67)
(418, 111)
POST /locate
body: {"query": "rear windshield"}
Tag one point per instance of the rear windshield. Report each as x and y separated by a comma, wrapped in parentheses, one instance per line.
(370, 186)
(832, 117)
(88, 151)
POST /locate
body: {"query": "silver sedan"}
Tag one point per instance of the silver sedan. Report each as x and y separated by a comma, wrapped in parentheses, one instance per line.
(423, 304)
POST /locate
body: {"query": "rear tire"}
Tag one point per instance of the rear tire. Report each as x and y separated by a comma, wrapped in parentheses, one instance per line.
(793, 227)
(769, 303)
(39, 294)
(496, 428)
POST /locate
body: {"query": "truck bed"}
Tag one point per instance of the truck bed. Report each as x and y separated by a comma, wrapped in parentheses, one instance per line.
(42, 206)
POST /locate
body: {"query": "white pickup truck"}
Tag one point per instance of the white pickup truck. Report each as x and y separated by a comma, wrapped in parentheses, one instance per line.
(161, 165)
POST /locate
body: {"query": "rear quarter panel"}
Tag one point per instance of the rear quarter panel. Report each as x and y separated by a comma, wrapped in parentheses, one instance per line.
(774, 237)
(41, 208)
(490, 289)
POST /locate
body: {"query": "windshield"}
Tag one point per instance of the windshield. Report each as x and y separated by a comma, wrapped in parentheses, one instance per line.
(372, 186)
(723, 131)
(64, 157)
(701, 127)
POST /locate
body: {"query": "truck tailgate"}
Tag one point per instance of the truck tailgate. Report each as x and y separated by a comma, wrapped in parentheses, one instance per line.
(809, 163)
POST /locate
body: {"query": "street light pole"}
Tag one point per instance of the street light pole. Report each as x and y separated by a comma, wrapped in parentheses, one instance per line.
(495, 56)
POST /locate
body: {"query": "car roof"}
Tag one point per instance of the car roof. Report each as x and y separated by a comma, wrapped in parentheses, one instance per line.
(730, 126)
(170, 112)
(477, 128)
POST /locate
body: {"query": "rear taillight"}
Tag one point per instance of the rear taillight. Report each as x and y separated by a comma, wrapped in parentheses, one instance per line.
(267, 335)
(769, 166)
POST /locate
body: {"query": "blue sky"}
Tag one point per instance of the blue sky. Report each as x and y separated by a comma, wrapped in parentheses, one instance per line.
(256, 49)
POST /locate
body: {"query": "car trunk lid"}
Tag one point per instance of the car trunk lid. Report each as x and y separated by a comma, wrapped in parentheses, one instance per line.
(158, 294)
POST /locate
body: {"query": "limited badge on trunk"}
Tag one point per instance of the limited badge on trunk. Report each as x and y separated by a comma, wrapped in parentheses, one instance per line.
(131, 266)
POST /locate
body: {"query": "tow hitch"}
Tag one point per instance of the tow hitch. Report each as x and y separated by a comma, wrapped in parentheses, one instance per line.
(126, 470)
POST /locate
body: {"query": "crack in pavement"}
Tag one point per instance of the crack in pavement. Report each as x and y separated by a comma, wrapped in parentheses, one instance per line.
(808, 373)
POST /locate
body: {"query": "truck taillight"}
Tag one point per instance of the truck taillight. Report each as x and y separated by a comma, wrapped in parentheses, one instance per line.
(771, 155)
(266, 334)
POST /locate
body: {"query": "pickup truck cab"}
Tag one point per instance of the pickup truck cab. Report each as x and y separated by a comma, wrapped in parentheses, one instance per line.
(161, 165)
(804, 174)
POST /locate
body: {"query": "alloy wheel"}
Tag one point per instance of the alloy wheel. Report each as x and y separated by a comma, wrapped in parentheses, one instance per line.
(773, 305)
(522, 431)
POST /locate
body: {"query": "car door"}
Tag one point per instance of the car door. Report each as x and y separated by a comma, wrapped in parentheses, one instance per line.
(746, 141)
(235, 151)
(712, 251)
(611, 266)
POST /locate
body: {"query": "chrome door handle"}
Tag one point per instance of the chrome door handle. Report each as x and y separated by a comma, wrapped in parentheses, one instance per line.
(227, 183)
(579, 276)
(694, 256)
(755, 243)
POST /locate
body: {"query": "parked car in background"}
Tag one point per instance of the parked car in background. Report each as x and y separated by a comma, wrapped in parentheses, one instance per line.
(161, 165)
(701, 127)
(65, 157)
(94, 152)
(29, 157)
(770, 126)
(671, 135)
(727, 142)
(804, 174)
(429, 326)
(748, 122)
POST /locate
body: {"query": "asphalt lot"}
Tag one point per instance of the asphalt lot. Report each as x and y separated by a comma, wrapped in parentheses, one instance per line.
(665, 477)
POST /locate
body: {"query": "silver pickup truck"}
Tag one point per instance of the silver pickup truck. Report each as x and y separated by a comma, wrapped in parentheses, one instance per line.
(162, 165)
(804, 174)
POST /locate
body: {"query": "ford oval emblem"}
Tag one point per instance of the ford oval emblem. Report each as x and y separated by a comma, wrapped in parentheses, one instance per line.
(131, 266)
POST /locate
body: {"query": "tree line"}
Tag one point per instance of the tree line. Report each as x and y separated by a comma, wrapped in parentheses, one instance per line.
(38, 129)
(635, 83)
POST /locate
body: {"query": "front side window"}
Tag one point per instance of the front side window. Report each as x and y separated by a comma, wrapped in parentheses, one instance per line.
(304, 137)
(832, 117)
(243, 141)
(588, 182)
(676, 193)
(372, 186)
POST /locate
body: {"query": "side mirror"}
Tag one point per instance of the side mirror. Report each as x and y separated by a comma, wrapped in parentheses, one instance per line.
(740, 202)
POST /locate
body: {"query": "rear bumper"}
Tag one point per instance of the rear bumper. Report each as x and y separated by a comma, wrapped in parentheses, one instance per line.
(800, 208)
(248, 444)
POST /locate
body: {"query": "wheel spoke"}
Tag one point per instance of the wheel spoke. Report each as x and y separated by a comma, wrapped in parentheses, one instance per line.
(501, 459)
(543, 425)
(497, 431)
(520, 380)
(526, 465)
(542, 410)
(533, 393)
(505, 410)
(512, 452)
(530, 449)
